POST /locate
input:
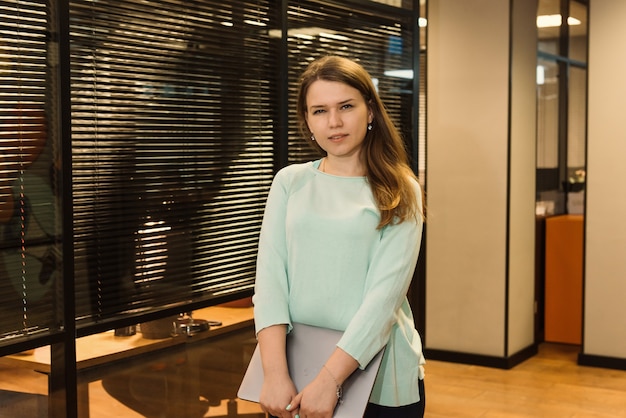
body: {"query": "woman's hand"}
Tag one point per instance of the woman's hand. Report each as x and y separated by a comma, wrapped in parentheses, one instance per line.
(278, 389)
(276, 395)
(318, 399)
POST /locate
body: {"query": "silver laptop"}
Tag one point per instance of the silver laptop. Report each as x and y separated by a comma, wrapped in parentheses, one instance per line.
(308, 348)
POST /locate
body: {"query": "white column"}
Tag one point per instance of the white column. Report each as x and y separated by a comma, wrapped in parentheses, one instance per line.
(480, 179)
(604, 322)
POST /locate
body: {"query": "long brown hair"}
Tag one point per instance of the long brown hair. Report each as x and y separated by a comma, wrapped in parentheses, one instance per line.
(384, 153)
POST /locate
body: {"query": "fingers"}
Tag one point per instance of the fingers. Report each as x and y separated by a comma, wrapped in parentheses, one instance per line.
(289, 411)
(295, 402)
(294, 406)
(293, 412)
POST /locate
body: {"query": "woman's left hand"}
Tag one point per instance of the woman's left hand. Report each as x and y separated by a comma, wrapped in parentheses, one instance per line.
(318, 399)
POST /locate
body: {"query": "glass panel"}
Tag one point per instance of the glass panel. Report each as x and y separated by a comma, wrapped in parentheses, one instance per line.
(549, 25)
(30, 220)
(576, 139)
(173, 143)
(576, 118)
(548, 135)
(548, 114)
(578, 31)
(561, 120)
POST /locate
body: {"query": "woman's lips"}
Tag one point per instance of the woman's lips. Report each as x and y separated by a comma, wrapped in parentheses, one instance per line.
(337, 137)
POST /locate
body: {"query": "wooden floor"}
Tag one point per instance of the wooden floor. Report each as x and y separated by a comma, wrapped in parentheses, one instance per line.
(550, 384)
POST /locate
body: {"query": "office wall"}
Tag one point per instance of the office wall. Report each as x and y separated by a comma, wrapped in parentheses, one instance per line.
(604, 322)
(480, 177)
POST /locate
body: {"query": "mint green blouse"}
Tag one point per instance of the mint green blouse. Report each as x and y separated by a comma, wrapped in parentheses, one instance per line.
(322, 262)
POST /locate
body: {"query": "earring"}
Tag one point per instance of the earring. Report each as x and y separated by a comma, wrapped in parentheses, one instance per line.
(369, 126)
(312, 137)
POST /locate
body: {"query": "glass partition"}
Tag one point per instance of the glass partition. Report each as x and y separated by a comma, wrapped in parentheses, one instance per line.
(31, 267)
(549, 200)
(30, 191)
(561, 105)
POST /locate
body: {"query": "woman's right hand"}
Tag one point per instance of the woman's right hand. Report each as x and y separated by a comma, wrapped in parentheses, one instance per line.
(278, 389)
(276, 395)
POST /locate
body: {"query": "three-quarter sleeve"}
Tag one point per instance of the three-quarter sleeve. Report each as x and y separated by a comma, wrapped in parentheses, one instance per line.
(270, 299)
(388, 279)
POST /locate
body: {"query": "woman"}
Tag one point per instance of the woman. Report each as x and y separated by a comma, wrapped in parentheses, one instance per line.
(338, 247)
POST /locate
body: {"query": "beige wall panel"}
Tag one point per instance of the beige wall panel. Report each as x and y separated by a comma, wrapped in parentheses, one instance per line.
(467, 175)
(605, 246)
(522, 169)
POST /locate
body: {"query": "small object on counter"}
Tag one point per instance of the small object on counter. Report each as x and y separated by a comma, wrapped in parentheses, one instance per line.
(158, 329)
(126, 331)
(190, 326)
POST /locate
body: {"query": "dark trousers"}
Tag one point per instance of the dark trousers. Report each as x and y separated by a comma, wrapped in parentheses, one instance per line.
(415, 410)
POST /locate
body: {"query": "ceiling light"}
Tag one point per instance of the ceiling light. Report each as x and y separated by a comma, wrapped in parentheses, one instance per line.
(406, 74)
(552, 21)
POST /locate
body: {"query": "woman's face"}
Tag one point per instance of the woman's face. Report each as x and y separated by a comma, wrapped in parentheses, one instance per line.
(338, 116)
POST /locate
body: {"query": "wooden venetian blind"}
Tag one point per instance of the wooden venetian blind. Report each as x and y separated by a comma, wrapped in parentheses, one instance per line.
(30, 251)
(174, 126)
(172, 103)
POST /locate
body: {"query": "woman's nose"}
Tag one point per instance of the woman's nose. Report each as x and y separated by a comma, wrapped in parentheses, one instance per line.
(334, 118)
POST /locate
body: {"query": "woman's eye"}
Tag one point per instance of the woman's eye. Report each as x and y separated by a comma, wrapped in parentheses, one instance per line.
(318, 111)
(346, 106)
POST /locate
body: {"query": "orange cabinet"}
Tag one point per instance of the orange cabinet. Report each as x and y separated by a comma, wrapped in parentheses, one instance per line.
(564, 279)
